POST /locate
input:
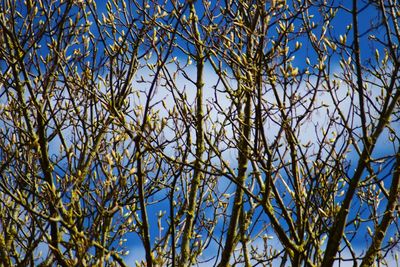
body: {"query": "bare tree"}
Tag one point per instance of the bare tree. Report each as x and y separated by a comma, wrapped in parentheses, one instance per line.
(255, 133)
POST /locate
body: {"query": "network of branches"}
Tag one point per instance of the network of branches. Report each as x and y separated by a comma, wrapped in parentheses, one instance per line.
(207, 133)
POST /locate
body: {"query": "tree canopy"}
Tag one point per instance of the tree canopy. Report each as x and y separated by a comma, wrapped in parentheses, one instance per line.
(211, 133)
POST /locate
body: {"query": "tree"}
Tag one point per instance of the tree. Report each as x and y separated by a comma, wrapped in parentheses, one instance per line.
(227, 132)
